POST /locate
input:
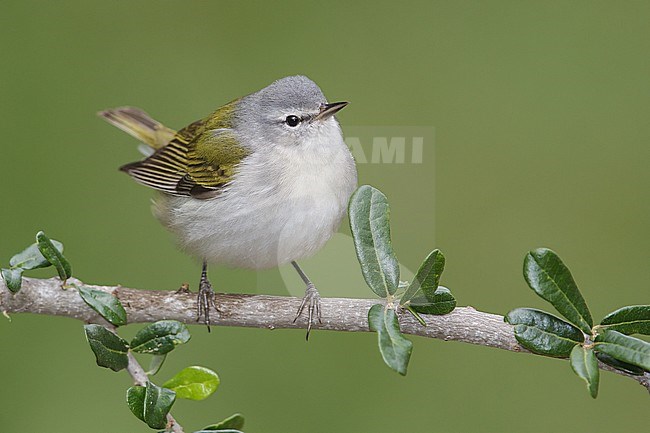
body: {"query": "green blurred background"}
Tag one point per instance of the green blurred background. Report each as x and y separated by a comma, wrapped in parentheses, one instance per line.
(540, 112)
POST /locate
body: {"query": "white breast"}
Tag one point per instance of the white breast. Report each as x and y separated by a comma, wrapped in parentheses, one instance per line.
(284, 204)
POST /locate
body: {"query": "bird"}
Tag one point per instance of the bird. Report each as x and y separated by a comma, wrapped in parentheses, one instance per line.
(261, 182)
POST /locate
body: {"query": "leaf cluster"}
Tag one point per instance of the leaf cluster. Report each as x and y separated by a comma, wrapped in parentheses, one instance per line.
(577, 338)
(43, 253)
(370, 224)
(149, 402)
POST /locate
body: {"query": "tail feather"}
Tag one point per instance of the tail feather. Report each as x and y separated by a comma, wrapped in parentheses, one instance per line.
(140, 125)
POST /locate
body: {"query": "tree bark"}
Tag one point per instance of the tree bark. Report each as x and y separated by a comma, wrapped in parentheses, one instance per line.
(466, 324)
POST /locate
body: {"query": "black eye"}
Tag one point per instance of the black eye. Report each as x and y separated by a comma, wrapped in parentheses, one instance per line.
(292, 120)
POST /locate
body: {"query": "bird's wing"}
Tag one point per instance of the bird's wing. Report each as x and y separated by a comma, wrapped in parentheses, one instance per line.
(198, 162)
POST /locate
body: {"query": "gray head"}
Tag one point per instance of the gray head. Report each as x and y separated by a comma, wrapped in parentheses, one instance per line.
(288, 112)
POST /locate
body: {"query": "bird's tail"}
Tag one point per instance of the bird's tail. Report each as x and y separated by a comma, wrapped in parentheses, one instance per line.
(140, 125)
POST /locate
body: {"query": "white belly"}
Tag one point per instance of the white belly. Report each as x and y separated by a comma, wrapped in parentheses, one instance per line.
(280, 207)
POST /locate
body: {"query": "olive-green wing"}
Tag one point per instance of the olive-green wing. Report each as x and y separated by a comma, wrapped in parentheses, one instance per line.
(198, 162)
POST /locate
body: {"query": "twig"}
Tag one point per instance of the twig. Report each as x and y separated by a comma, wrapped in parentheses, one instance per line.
(259, 311)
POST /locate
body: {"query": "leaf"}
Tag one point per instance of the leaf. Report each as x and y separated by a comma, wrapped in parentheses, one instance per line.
(233, 422)
(194, 383)
(107, 305)
(109, 349)
(426, 280)
(135, 400)
(624, 348)
(543, 333)
(157, 403)
(150, 404)
(156, 364)
(13, 279)
(160, 337)
(31, 257)
(585, 365)
(441, 302)
(551, 279)
(394, 348)
(370, 224)
(634, 319)
(52, 254)
(620, 365)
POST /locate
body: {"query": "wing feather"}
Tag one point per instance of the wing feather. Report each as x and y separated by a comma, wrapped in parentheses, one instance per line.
(198, 162)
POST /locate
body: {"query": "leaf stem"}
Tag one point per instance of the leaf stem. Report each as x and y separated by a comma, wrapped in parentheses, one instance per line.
(416, 315)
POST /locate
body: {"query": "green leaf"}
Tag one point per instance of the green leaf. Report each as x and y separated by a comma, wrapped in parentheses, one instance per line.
(107, 305)
(394, 348)
(634, 319)
(543, 333)
(156, 364)
(160, 337)
(233, 422)
(150, 404)
(585, 365)
(109, 349)
(551, 279)
(369, 221)
(425, 283)
(52, 254)
(31, 257)
(620, 365)
(13, 279)
(440, 302)
(135, 400)
(194, 383)
(157, 404)
(624, 348)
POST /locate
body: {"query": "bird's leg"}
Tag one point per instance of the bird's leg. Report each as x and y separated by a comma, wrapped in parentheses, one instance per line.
(311, 300)
(206, 297)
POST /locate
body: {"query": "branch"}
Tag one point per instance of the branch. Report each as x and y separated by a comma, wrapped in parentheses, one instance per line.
(260, 311)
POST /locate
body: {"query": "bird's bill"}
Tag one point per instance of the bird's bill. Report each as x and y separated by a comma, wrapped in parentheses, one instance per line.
(328, 110)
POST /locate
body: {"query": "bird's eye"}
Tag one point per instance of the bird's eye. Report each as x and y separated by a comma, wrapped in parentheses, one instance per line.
(292, 121)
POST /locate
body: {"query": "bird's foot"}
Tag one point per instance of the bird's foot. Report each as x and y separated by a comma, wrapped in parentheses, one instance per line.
(206, 300)
(311, 301)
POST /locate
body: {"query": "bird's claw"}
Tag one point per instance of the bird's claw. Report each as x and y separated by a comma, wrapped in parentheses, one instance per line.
(311, 300)
(206, 300)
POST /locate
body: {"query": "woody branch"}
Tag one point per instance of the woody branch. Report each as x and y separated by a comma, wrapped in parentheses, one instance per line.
(465, 324)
